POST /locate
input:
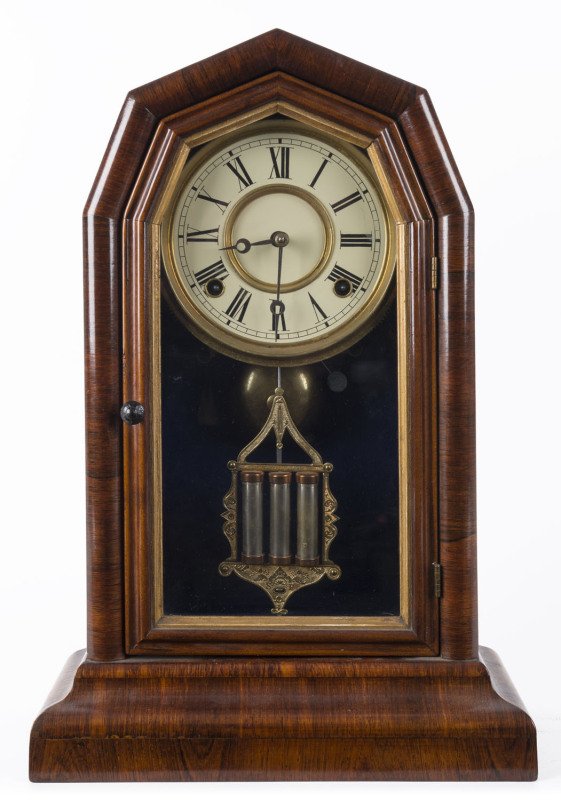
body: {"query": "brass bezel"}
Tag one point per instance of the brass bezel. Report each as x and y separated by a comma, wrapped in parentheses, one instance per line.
(283, 188)
(290, 353)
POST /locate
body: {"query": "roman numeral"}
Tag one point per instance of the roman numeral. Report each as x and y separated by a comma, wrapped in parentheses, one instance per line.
(340, 273)
(277, 310)
(347, 201)
(318, 173)
(222, 205)
(202, 236)
(356, 240)
(214, 271)
(318, 311)
(238, 306)
(240, 172)
(281, 166)
(276, 319)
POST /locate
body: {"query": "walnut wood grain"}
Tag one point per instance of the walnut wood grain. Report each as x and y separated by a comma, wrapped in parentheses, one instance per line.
(310, 719)
(456, 378)
(270, 52)
(104, 476)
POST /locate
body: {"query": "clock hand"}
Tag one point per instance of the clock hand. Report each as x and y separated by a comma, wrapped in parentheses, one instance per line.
(277, 306)
(280, 240)
(244, 245)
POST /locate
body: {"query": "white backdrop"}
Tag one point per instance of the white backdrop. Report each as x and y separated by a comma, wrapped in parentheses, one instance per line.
(66, 68)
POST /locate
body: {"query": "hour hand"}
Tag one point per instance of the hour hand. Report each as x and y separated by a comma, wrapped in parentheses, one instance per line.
(244, 245)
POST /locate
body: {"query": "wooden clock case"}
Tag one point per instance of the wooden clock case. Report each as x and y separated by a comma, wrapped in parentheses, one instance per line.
(147, 704)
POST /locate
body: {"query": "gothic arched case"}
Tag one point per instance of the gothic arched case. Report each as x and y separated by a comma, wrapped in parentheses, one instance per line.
(281, 434)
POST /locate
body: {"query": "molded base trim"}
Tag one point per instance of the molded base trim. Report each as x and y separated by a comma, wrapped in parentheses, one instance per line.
(283, 719)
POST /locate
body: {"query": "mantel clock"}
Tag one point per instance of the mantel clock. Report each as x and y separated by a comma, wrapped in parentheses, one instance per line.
(280, 457)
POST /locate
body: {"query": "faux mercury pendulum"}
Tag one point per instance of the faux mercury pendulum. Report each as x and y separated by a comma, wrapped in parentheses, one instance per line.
(293, 552)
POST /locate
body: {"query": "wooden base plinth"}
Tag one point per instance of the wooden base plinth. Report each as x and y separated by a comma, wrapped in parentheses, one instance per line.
(283, 719)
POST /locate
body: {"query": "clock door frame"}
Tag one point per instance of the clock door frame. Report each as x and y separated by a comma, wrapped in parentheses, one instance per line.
(397, 122)
(414, 629)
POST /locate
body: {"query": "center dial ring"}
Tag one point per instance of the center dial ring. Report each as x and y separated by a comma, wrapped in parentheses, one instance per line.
(280, 208)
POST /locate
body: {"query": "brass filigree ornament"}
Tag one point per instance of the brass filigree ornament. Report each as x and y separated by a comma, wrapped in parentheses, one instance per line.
(281, 580)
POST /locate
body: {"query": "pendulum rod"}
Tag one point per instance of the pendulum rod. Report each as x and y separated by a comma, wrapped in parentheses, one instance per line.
(279, 449)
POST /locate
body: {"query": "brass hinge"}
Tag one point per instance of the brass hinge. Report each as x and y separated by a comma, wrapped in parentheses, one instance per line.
(434, 273)
(437, 579)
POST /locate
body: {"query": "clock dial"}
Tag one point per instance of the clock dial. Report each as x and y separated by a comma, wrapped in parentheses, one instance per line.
(222, 258)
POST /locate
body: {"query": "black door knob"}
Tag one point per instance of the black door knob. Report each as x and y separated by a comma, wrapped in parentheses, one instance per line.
(132, 412)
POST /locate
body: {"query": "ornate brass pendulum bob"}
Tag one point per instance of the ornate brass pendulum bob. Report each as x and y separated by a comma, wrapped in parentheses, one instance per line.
(270, 561)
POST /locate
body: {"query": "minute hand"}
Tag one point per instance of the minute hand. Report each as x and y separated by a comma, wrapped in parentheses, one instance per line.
(280, 240)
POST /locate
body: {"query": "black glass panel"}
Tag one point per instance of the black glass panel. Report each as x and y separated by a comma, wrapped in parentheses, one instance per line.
(346, 407)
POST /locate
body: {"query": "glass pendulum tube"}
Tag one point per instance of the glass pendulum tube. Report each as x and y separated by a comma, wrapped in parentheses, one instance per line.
(252, 517)
(279, 534)
(307, 554)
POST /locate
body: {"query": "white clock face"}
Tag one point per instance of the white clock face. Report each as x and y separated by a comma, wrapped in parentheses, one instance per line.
(278, 242)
